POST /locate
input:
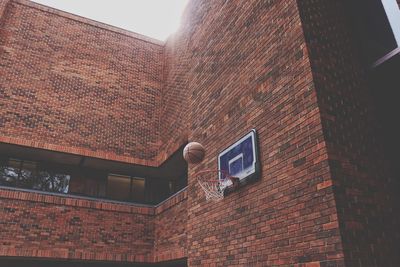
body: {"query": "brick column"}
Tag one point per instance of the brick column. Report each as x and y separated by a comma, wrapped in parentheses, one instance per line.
(3, 5)
(366, 192)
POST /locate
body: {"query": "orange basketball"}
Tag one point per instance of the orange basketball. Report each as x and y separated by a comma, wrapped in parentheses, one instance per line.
(194, 153)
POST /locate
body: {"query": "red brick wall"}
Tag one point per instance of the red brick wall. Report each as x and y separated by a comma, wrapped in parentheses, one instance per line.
(170, 228)
(233, 66)
(175, 104)
(365, 190)
(44, 226)
(78, 86)
(249, 68)
(3, 4)
(48, 226)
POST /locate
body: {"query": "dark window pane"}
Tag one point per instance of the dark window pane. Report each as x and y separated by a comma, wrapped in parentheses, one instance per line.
(14, 163)
(393, 14)
(10, 172)
(88, 183)
(118, 187)
(52, 182)
(138, 190)
(158, 189)
(102, 189)
(8, 175)
(182, 181)
(91, 187)
(77, 184)
(27, 175)
(374, 28)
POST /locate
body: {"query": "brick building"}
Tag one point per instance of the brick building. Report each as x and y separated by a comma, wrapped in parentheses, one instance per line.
(93, 120)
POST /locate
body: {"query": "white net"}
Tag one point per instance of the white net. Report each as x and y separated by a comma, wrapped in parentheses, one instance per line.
(208, 181)
(211, 190)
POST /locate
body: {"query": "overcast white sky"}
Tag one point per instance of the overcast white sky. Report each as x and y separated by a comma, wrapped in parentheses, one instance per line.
(154, 18)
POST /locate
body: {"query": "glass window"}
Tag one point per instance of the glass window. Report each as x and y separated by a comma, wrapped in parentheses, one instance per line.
(77, 184)
(377, 31)
(118, 187)
(159, 190)
(378, 24)
(27, 174)
(138, 185)
(52, 182)
(78, 180)
(91, 187)
(87, 182)
(102, 189)
(9, 172)
(393, 15)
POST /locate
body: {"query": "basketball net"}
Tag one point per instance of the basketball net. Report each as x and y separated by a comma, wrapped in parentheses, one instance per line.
(213, 187)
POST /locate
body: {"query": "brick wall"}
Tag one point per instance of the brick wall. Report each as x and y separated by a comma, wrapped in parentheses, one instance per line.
(289, 70)
(3, 5)
(170, 228)
(249, 68)
(365, 190)
(47, 226)
(74, 85)
(175, 105)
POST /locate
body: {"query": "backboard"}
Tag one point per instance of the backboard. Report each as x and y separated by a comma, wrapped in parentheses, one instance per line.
(240, 160)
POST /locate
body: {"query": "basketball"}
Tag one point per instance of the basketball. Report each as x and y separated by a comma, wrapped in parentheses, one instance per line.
(194, 153)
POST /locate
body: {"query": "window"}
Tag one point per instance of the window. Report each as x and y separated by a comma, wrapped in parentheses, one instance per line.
(125, 188)
(138, 193)
(29, 175)
(88, 182)
(119, 187)
(378, 24)
(96, 179)
(51, 182)
(9, 172)
(393, 14)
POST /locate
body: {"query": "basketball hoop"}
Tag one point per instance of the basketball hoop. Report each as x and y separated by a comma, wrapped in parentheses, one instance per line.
(213, 188)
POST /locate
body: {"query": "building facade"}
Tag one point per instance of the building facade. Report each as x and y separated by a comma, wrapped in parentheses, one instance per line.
(93, 120)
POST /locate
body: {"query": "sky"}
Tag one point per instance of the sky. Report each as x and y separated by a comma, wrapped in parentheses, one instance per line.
(393, 13)
(154, 18)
